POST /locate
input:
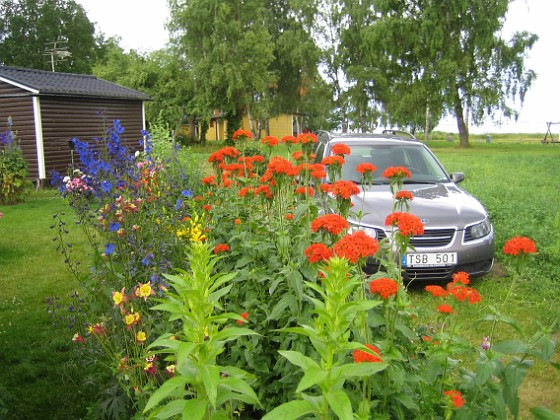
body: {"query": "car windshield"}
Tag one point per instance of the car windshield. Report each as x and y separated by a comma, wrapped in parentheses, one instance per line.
(422, 164)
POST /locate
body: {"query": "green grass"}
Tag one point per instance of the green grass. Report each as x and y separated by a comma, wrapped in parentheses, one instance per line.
(518, 181)
(40, 377)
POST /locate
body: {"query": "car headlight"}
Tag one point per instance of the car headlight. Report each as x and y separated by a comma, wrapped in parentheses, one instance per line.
(371, 232)
(481, 229)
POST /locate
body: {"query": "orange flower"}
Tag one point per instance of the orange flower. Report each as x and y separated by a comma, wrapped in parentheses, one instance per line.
(270, 141)
(445, 309)
(332, 223)
(340, 149)
(407, 224)
(404, 195)
(242, 135)
(436, 291)
(304, 191)
(361, 356)
(520, 245)
(333, 160)
(318, 252)
(221, 248)
(237, 221)
(397, 172)
(289, 216)
(365, 167)
(245, 316)
(344, 189)
(307, 138)
(289, 139)
(355, 246)
(456, 397)
(383, 287)
(209, 180)
(461, 277)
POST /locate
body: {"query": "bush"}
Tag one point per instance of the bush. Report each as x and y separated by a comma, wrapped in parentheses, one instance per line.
(14, 173)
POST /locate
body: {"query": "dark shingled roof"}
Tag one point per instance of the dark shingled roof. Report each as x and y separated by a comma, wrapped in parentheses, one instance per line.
(67, 84)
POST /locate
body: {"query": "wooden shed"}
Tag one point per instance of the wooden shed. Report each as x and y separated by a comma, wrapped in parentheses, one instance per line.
(48, 109)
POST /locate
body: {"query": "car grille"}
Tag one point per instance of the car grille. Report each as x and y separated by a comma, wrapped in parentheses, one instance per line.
(433, 238)
(429, 273)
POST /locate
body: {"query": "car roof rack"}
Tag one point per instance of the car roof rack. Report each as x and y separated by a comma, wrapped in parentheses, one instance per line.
(399, 133)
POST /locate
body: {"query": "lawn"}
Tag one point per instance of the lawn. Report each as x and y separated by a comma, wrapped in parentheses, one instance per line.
(42, 378)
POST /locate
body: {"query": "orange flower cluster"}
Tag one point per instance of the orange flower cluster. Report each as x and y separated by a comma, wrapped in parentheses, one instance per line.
(361, 356)
(242, 135)
(318, 252)
(280, 166)
(365, 167)
(332, 223)
(407, 224)
(221, 248)
(384, 287)
(397, 172)
(456, 397)
(445, 309)
(404, 195)
(209, 180)
(245, 316)
(344, 189)
(355, 246)
(289, 139)
(305, 191)
(270, 141)
(457, 288)
(225, 152)
(333, 160)
(520, 245)
(304, 138)
(340, 149)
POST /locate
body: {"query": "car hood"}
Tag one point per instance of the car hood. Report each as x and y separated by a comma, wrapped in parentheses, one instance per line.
(437, 205)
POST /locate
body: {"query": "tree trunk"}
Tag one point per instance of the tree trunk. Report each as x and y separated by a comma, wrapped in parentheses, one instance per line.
(461, 126)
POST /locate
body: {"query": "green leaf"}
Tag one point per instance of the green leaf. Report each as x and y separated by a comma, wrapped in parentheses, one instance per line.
(210, 375)
(231, 333)
(183, 352)
(291, 410)
(543, 413)
(357, 370)
(214, 297)
(313, 375)
(299, 359)
(511, 347)
(280, 307)
(340, 404)
(172, 386)
(240, 386)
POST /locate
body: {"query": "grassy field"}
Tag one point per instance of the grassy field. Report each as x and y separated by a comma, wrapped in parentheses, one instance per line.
(517, 180)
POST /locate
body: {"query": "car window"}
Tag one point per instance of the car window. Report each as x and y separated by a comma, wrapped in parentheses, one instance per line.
(423, 165)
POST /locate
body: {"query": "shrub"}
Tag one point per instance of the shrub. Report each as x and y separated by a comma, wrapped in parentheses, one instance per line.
(14, 173)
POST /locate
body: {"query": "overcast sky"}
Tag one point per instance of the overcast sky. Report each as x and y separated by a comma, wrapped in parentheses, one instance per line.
(141, 26)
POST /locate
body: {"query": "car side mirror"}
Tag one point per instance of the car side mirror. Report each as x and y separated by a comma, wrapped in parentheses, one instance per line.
(457, 177)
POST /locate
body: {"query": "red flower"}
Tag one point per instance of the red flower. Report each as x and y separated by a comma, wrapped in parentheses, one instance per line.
(365, 167)
(207, 207)
(289, 139)
(297, 155)
(270, 141)
(520, 245)
(333, 160)
(355, 246)
(318, 252)
(307, 138)
(209, 180)
(245, 316)
(407, 224)
(461, 277)
(280, 166)
(361, 356)
(396, 172)
(289, 216)
(221, 248)
(332, 223)
(305, 191)
(436, 291)
(237, 221)
(242, 135)
(344, 189)
(456, 397)
(404, 195)
(383, 287)
(445, 309)
(340, 149)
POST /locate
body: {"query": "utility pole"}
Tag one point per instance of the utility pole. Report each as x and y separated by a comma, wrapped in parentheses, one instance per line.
(57, 50)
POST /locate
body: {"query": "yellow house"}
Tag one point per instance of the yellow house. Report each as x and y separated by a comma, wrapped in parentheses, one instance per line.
(280, 126)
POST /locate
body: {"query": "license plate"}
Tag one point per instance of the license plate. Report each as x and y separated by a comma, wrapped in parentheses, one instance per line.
(430, 259)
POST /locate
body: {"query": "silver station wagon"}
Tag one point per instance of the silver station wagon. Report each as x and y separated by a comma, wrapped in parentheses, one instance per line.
(458, 234)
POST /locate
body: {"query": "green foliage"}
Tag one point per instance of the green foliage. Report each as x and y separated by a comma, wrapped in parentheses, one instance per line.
(27, 26)
(14, 173)
(200, 388)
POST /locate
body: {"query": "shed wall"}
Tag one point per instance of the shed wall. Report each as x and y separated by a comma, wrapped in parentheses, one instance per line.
(14, 104)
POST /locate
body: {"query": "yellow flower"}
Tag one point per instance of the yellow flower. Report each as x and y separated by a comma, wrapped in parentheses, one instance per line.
(141, 336)
(129, 319)
(144, 291)
(118, 298)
